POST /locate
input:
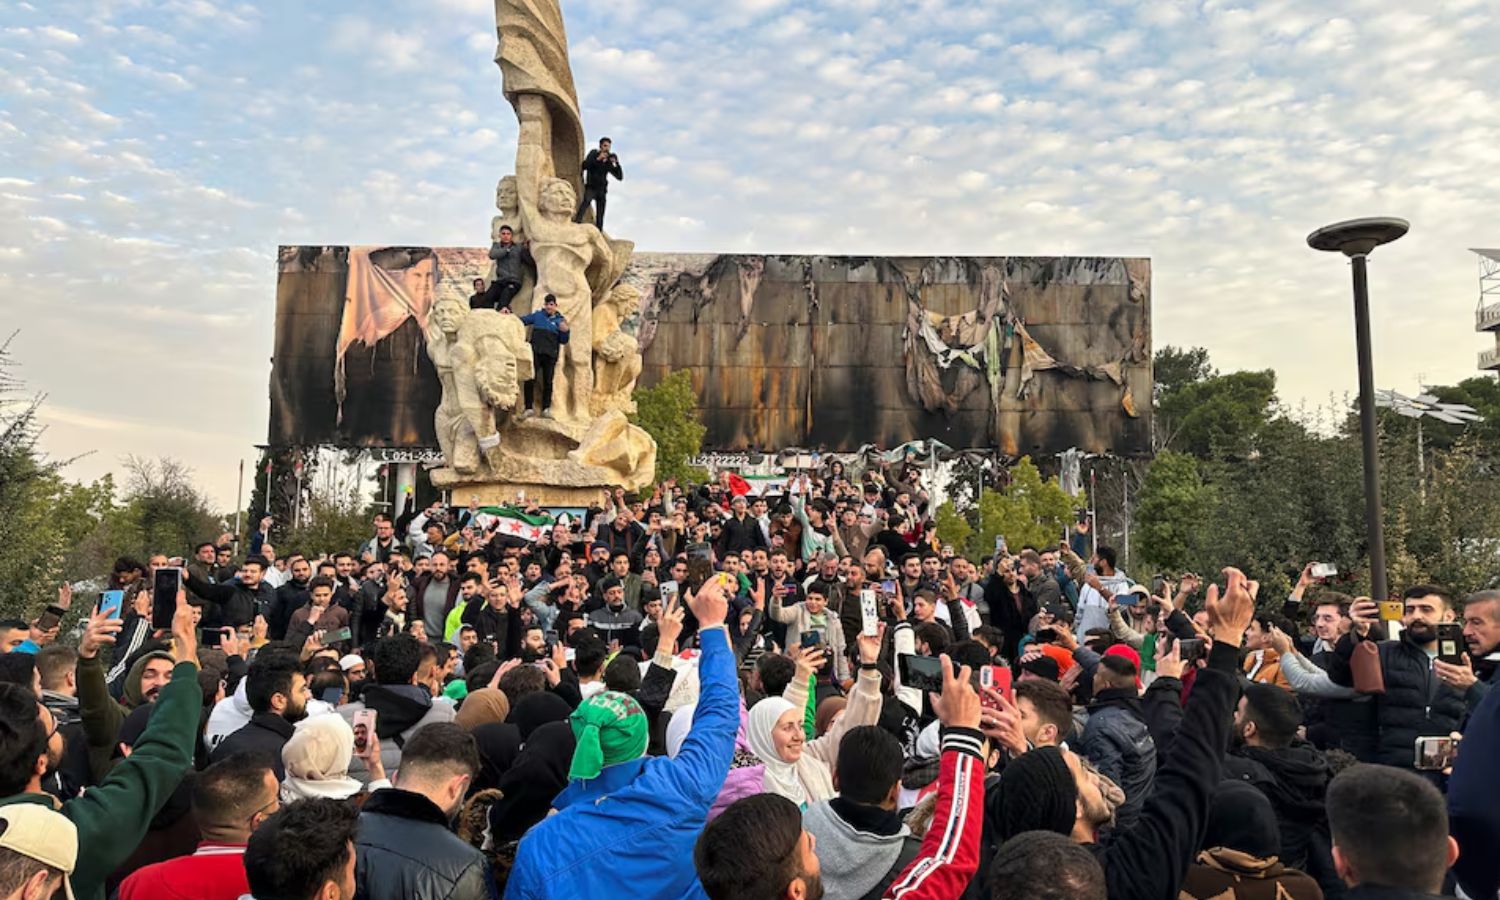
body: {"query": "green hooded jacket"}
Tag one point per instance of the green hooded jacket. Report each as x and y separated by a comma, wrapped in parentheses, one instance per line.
(113, 816)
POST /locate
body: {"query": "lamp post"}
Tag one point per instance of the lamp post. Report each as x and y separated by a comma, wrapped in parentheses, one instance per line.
(1355, 239)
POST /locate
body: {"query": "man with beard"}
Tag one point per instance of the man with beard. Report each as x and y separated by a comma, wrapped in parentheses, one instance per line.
(290, 597)
(1291, 773)
(1337, 717)
(434, 594)
(278, 695)
(616, 621)
(114, 815)
(404, 847)
(1422, 696)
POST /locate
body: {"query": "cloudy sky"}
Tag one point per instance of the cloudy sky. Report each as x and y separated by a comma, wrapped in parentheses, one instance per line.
(153, 154)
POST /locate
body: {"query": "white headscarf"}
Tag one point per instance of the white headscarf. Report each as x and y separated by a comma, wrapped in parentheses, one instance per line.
(317, 760)
(781, 776)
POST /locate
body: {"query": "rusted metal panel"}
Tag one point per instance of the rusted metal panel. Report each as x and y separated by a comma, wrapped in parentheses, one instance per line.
(789, 351)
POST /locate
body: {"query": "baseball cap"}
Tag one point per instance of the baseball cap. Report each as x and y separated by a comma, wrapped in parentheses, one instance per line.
(48, 837)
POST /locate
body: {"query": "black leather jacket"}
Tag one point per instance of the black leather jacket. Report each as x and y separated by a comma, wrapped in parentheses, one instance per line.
(404, 851)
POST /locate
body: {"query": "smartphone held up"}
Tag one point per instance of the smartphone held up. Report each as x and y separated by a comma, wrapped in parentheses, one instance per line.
(164, 587)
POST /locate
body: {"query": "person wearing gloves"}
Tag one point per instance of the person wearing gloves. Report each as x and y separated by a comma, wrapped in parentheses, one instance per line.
(796, 768)
(626, 819)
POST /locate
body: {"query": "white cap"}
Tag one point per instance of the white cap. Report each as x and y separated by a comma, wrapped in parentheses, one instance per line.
(350, 661)
(48, 837)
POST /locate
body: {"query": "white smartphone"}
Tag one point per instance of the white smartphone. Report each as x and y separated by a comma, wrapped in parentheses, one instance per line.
(869, 611)
(1324, 570)
(668, 590)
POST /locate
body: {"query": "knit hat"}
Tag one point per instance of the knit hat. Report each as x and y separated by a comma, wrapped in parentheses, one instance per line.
(611, 729)
(598, 545)
(1126, 652)
(1241, 818)
(1042, 667)
(482, 707)
(1036, 793)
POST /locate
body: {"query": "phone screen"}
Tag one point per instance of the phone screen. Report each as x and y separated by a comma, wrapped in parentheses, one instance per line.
(164, 588)
(364, 727)
(925, 673)
(1434, 753)
(1450, 639)
(812, 638)
(334, 637)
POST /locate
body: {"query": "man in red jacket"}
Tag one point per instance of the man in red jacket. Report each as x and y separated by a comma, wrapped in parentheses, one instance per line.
(230, 800)
(762, 836)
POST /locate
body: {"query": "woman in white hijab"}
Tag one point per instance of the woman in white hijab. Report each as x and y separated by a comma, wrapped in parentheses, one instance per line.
(317, 761)
(796, 768)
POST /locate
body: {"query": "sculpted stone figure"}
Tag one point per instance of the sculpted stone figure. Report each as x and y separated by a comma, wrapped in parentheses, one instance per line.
(442, 338)
(490, 362)
(617, 356)
(565, 251)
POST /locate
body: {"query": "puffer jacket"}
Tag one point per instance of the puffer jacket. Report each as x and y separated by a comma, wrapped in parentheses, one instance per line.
(404, 851)
(1341, 724)
(1118, 743)
(1295, 780)
(1416, 702)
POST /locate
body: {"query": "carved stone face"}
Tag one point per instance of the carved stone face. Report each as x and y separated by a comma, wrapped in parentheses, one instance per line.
(625, 297)
(495, 375)
(558, 197)
(506, 197)
(448, 315)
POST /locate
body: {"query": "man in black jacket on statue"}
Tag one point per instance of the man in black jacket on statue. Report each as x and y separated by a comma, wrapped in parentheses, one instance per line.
(597, 167)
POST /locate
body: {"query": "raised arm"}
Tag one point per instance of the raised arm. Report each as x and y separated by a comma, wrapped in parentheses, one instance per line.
(698, 771)
(864, 703)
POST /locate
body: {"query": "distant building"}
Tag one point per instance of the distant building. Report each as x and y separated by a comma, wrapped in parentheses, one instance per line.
(1487, 315)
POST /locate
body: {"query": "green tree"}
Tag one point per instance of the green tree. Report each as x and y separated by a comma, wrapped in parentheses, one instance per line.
(1174, 368)
(1174, 507)
(1030, 510)
(669, 413)
(1220, 416)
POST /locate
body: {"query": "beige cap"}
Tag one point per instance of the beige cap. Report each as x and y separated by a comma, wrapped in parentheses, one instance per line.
(48, 837)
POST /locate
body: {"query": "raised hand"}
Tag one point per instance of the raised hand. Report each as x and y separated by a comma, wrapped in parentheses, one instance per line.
(1000, 720)
(869, 644)
(1230, 615)
(808, 660)
(99, 632)
(1168, 658)
(1364, 613)
(669, 626)
(709, 603)
(184, 632)
(957, 706)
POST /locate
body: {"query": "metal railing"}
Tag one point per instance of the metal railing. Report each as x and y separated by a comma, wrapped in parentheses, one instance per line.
(1490, 359)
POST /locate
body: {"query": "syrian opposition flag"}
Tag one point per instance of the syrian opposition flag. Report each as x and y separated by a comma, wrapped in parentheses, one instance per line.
(514, 522)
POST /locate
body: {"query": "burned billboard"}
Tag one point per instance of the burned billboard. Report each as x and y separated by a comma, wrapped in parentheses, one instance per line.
(1026, 355)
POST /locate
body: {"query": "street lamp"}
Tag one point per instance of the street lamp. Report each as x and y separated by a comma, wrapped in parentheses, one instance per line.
(1355, 239)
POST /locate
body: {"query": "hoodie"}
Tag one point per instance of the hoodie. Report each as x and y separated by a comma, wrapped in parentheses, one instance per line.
(1295, 780)
(858, 853)
(132, 694)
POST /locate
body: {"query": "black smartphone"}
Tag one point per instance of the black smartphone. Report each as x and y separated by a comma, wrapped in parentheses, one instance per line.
(1190, 650)
(812, 638)
(925, 673)
(1046, 635)
(50, 618)
(164, 587)
(700, 565)
(1450, 642)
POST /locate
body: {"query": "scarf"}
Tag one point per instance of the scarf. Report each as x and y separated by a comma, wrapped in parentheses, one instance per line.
(781, 776)
(482, 707)
(317, 760)
(610, 729)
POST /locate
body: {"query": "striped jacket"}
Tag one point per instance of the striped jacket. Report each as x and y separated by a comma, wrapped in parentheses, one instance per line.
(950, 852)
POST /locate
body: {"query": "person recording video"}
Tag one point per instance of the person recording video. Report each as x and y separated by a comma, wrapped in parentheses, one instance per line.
(597, 167)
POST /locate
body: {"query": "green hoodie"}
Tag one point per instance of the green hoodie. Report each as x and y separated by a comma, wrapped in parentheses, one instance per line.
(113, 816)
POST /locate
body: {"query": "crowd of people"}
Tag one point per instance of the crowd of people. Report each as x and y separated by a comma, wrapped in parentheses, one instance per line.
(696, 692)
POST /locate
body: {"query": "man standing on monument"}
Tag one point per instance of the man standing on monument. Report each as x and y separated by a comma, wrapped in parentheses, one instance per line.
(549, 331)
(597, 167)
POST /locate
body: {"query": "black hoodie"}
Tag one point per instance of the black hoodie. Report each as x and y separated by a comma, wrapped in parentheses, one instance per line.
(1118, 743)
(1295, 780)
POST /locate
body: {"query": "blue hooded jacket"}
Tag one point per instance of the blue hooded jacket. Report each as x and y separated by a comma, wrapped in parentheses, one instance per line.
(633, 828)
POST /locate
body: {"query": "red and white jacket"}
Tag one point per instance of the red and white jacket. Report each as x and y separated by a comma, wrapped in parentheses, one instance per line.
(950, 852)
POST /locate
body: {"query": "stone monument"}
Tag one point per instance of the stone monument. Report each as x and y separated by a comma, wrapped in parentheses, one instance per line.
(482, 356)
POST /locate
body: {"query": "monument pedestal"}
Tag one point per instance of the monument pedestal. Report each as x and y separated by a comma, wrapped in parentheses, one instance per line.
(557, 463)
